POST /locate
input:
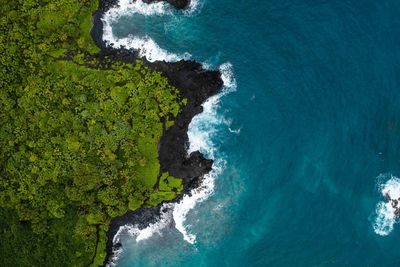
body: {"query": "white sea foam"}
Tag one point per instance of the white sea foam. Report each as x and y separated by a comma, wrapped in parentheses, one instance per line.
(203, 126)
(113, 261)
(200, 133)
(201, 129)
(228, 77)
(150, 230)
(145, 46)
(235, 131)
(142, 234)
(193, 8)
(127, 7)
(386, 217)
(198, 195)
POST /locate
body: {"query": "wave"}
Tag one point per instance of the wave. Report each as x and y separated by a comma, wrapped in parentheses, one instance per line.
(203, 126)
(127, 7)
(142, 234)
(201, 129)
(386, 216)
(145, 46)
(228, 78)
(198, 195)
(200, 133)
(193, 8)
(150, 230)
(235, 131)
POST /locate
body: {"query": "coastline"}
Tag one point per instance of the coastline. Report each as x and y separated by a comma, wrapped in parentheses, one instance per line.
(194, 83)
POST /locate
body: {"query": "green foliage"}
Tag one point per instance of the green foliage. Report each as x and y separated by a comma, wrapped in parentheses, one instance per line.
(78, 143)
(169, 187)
(148, 164)
(59, 246)
(158, 197)
(169, 183)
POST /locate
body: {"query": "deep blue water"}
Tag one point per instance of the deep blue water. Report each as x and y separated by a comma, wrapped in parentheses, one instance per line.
(318, 108)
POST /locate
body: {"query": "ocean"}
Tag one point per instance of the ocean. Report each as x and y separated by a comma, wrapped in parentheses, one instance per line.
(305, 134)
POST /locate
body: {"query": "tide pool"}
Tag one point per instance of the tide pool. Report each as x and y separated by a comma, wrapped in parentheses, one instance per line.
(305, 134)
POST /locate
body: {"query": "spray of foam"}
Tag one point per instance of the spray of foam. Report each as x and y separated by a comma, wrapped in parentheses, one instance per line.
(188, 202)
(139, 7)
(200, 133)
(203, 125)
(193, 8)
(145, 46)
(150, 230)
(142, 234)
(385, 211)
(200, 130)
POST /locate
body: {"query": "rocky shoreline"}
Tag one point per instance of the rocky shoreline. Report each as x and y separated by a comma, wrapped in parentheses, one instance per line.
(196, 84)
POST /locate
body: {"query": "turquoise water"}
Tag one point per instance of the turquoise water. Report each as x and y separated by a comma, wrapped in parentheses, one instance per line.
(314, 121)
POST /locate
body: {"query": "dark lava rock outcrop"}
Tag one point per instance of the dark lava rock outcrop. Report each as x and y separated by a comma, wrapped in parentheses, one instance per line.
(196, 84)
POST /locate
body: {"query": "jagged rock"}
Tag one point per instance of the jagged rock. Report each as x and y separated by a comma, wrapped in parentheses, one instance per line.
(196, 84)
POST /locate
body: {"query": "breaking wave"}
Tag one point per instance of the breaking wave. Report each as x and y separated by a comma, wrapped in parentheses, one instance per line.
(142, 234)
(201, 130)
(145, 46)
(193, 8)
(386, 216)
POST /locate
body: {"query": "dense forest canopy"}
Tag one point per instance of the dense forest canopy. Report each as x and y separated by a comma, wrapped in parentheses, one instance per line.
(78, 136)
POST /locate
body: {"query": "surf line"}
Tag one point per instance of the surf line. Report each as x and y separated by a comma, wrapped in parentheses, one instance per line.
(387, 211)
(200, 129)
(145, 46)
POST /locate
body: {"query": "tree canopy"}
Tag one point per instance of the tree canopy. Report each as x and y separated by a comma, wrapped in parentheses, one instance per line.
(78, 143)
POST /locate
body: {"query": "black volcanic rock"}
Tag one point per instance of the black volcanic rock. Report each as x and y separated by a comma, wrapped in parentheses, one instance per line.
(196, 84)
(97, 29)
(178, 4)
(105, 5)
(141, 217)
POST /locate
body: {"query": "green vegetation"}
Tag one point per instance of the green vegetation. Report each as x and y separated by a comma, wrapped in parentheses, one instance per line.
(168, 188)
(78, 136)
